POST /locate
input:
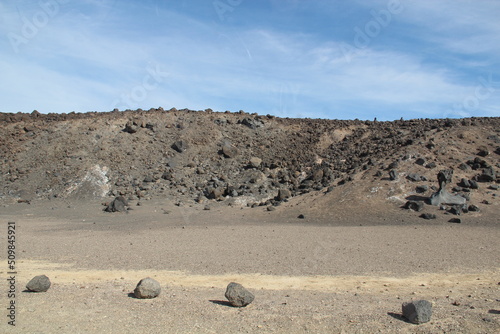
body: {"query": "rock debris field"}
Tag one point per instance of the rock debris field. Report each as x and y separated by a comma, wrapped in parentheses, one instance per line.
(176, 221)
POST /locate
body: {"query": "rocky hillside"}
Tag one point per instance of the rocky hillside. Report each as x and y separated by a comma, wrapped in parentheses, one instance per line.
(244, 159)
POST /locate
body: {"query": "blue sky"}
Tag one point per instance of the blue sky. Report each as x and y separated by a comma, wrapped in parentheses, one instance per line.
(291, 58)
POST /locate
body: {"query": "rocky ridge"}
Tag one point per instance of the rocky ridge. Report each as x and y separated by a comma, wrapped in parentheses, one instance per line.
(195, 157)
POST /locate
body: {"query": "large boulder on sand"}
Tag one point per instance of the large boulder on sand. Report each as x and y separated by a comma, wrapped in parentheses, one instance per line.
(40, 283)
(238, 296)
(147, 288)
(417, 312)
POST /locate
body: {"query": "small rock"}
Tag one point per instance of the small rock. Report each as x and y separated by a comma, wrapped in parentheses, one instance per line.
(147, 288)
(415, 177)
(420, 161)
(428, 216)
(393, 175)
(40, 283)
(238, 296)
(255, 162)
(229, 151)
(473, 208)
(417, 312)
(455, 210)
(180, 146)
(431, 165)
(301, 216)
(283, 194)
(414, 205)
(119, 204)
(421, 189)
(455, 220)
(271, 208)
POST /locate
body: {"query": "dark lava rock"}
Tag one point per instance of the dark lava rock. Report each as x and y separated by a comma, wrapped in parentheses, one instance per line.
(417, 312)
(455, 220)
(252, 123)
(131, 127)
(238, 296)
(431, 165)
(147, 288)
(119, 204)
(455, 210)
(283, 194)
(301, 216)
(473, 208)
(483, 152)
(393, 175)
(180, 146)
(420, 161)
(416, 177)
(40, 283)
(428, 216)
(414, 205)
(488, 175)
(421, 189)
(464, 167)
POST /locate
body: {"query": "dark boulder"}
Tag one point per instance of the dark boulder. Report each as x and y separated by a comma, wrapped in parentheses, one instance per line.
(40, 283)
(238, 296)
(417, 312)
(414, 205)
(119, 204)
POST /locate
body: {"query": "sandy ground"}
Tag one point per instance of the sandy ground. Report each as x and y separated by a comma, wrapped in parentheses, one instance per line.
(309, 275)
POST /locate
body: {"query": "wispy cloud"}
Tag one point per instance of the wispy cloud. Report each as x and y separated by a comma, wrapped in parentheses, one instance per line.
(90, 55)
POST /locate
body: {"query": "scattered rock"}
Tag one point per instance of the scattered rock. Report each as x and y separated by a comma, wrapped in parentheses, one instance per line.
(283, 194)
(271, 208)
(483, 152)
(473, 208)
(488, 175)
(416, 177)
(455, 210)
(252, 123)
(147, 288)
(255, 162)
(455, 220)
(428, 216)
(431, 165)
(40, 283)
(119, 204)
(229, 151)
(421, 189)
(131, 127)
(417, 312)
(393, 175)
(301, 216)
(420, 161)
(180, 146)
(414, 205)
(237, 295)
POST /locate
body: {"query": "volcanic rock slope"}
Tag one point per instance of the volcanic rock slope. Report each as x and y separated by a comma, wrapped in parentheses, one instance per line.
(237, 158)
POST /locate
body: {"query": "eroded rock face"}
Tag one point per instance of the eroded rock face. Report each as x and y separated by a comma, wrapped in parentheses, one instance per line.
(442, 196)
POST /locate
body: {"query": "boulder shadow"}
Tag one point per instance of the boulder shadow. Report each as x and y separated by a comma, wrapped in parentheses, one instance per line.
(221, 302)
(424, 199)
(131, 295)
(398, 316)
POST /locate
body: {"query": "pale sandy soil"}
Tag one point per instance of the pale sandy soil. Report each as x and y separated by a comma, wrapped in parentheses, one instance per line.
(331, 274)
